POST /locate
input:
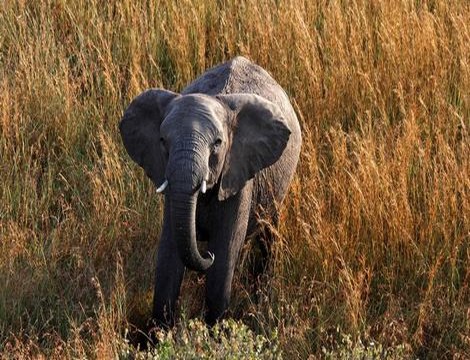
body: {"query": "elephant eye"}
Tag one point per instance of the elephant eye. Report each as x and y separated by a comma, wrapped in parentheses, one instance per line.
(163, 145)
(216, 144)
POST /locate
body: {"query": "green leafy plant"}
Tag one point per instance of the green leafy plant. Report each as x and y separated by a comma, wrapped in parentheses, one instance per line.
(228, 339)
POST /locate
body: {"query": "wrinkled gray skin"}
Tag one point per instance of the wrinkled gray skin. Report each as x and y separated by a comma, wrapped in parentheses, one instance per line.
(235, 128)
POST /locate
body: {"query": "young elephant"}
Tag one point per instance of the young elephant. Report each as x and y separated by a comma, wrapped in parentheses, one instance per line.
(221, 151)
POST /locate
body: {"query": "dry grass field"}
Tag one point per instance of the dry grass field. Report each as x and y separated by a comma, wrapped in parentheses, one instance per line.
(372, 257)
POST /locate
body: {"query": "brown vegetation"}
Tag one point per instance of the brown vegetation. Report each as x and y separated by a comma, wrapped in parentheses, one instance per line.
(375, 233)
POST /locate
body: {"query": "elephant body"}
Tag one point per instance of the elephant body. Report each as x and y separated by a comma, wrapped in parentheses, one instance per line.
(241, 76)
(227, 147)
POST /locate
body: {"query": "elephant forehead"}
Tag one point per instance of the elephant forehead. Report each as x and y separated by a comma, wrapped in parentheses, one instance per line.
(197, 112)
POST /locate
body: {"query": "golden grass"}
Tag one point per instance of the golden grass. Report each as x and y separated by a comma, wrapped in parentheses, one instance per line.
(375, 233)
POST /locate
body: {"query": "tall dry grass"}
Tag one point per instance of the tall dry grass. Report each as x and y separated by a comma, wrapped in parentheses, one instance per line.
(375, 233)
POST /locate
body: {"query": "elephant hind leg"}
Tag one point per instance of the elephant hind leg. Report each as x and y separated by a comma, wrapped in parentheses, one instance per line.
(268, 222)
(263, 252)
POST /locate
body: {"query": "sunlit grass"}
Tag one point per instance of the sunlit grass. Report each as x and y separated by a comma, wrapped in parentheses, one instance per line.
(374, 238)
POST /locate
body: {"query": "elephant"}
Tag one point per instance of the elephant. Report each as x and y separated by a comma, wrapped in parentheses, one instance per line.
(223, 153)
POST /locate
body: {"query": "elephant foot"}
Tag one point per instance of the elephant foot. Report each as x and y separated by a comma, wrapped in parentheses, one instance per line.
(211, 319)
(215, 312)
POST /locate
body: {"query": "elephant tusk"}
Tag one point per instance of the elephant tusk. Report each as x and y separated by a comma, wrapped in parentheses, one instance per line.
(203, 186)
(211, 255)
(162, 187)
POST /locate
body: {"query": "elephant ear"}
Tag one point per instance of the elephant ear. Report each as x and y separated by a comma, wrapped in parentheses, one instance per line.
(259, 136)
(140, 131)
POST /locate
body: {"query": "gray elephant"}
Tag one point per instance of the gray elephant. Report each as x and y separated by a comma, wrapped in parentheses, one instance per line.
(223, 153)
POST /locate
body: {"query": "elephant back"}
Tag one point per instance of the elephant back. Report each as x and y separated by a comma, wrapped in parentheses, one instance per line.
(241, 76)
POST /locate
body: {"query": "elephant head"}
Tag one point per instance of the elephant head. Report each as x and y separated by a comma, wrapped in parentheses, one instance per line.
(188, 144)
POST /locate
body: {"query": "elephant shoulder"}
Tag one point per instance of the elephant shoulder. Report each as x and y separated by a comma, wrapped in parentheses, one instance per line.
(247, 77)
(238, 75)
(211, 82)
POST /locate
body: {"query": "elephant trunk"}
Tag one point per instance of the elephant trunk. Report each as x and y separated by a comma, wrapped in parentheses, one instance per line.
(183, 227)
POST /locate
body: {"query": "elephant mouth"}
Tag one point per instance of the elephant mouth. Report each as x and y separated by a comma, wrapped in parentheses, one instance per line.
(160, 189)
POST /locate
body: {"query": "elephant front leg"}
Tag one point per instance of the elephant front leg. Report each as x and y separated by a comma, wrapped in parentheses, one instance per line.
(168, 277)
(225, 243)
